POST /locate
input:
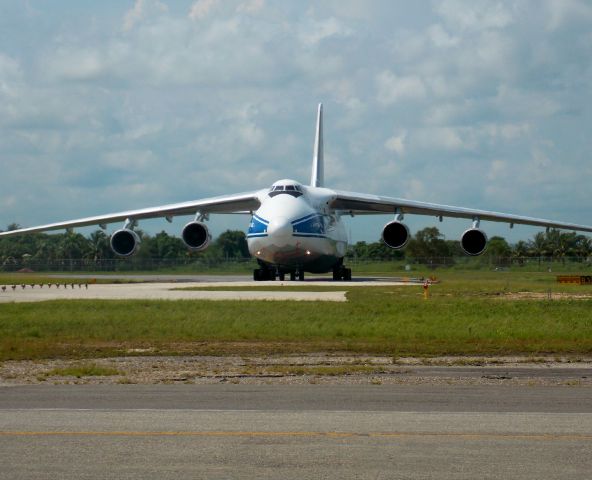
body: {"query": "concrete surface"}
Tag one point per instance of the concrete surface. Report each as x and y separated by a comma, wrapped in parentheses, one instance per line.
(159, 291)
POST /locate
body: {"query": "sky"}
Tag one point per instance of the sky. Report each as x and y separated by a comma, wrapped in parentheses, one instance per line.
(115, 105)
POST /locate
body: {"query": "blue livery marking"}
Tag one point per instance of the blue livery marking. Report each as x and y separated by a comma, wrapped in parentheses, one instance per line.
(257, 227)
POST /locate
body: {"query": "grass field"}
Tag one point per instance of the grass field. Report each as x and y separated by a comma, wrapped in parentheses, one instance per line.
(467, 313)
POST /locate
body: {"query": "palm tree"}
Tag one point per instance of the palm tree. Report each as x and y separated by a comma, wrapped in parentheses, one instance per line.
(583, 246)
(539, 246)
(520, 251)
(99, 245)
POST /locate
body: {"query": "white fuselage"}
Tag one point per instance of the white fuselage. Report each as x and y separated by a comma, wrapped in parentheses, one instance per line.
(294, 229)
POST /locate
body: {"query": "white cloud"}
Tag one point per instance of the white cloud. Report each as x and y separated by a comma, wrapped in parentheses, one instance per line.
(9, 68)
(318, 31)
(140, 9)
(251, 134)
(202, 8)
(530, 104)
(396, 143)
(392, 88)
(440, 138)
(508, 131)
(77, 64)
(10, 78)
(563, 13)
(251, 6)
(415, 189)
(475, 15)
(131, 160)
(497, 170)
(441, 38)
(8, 202)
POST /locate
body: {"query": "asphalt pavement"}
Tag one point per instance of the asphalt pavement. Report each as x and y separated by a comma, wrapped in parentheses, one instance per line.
(295, 432)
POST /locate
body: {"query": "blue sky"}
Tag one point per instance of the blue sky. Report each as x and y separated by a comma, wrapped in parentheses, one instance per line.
(113, 105)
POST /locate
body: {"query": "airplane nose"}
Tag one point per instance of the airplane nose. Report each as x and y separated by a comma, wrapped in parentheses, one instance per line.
(279, 227)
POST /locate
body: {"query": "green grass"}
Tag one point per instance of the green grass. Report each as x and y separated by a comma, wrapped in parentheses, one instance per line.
(466, 314)
(79, 371)
(325, 370)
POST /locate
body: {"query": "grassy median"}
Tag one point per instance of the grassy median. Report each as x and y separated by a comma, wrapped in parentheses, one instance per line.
(468, 313)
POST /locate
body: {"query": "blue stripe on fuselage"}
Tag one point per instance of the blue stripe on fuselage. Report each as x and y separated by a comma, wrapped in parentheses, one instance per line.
(312, 225)
(261, 219)
(257, 227)
(301, 219)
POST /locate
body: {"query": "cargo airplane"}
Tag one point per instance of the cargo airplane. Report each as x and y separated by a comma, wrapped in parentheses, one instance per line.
(297, 228)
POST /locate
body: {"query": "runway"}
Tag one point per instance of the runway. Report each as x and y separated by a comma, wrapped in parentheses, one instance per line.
(295, 432)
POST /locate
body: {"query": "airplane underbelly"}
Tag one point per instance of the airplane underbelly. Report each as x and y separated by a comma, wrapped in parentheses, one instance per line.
(313, 254)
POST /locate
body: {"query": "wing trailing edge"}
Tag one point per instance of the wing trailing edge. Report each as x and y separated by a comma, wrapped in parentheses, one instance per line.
(237, 203)
(364, 204)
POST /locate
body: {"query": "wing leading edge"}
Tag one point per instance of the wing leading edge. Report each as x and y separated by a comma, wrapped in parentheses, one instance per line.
(364, 204)
(238, 203)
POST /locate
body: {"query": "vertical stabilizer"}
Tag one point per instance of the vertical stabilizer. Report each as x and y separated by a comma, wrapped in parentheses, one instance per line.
(318, 171)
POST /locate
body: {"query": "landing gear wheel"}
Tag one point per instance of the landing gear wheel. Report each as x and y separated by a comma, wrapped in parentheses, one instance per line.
(342, 273)
(301, 275)
(336, 274)
(261, 274)
(282, 276)
(292, 276)
(347, 274)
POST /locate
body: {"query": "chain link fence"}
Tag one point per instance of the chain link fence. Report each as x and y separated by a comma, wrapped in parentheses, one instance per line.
(186, 264)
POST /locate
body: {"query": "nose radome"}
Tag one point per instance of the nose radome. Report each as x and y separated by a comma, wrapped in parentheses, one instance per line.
(279, 227)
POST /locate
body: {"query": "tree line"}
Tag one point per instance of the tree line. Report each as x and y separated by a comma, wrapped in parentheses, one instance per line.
(231, 245)
(42, 247)
(430, 243)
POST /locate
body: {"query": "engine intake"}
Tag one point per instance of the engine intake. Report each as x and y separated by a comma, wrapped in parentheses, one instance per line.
(473, 241)
(125, 242)
(395, 234)
(196, 236)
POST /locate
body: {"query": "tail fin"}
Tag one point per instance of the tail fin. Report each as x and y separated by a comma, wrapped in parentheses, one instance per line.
(318, 171)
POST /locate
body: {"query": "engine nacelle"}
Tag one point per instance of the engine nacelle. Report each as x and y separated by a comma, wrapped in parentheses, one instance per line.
(125, 242)
(473, 241)
(196, 236)
(395, 234)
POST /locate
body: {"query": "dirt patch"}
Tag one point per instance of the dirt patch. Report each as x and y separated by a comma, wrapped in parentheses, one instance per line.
(544, 296)
(321, 368)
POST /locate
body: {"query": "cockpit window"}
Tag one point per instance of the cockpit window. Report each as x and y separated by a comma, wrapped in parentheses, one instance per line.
(293, 190)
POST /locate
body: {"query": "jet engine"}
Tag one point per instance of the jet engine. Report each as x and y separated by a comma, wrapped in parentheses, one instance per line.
(196, 236)
(395, 234)
(125, 242)
(473, 241)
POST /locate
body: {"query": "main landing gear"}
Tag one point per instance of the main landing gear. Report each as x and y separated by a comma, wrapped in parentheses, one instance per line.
(342, 273)
(266, 274)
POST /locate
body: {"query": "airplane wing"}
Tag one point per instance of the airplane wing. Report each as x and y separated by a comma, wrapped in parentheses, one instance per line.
(364, 204)
(238, 203)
